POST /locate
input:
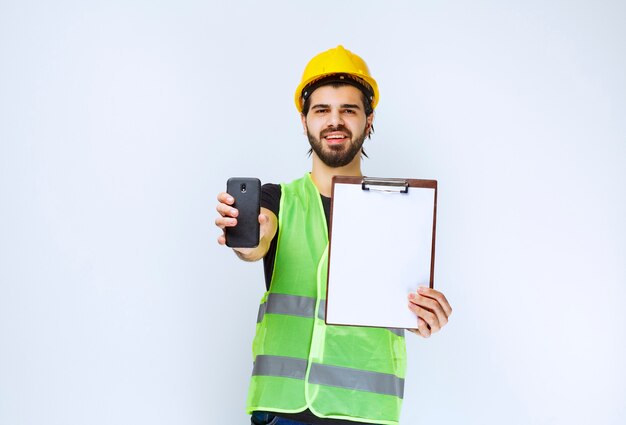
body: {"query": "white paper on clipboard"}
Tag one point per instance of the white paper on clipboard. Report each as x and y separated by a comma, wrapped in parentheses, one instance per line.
(381, 249)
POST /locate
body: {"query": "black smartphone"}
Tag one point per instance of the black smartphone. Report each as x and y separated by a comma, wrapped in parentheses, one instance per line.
(247, 194)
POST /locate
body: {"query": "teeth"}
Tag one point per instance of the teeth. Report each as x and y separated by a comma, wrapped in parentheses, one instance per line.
(334, 137)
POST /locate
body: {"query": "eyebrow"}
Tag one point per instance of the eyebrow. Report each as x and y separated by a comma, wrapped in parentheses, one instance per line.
(343, 106)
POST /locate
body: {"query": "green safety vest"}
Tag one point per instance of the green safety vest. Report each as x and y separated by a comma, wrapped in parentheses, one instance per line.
(341, 372)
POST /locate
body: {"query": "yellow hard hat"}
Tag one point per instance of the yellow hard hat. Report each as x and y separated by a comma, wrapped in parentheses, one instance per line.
(343, 63)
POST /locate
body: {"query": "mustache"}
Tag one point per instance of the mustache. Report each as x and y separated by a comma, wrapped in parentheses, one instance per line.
(339, 127)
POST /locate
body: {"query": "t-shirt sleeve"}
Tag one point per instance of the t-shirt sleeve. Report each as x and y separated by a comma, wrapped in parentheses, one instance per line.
(270, 197)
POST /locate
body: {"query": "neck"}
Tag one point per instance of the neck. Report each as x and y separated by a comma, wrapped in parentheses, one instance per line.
(322, 174)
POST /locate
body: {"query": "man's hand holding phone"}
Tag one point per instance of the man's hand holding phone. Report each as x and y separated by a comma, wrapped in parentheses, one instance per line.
(247, 228)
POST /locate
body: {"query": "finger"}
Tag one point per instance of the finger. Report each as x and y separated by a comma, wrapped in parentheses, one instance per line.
(428, 316)
(431, 305)
(223, 222)
(226, 210)
(225, 198)
(423, 328)
(433, 293)
(263, 222)
(221, 240)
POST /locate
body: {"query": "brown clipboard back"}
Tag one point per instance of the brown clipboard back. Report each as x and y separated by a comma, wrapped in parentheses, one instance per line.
(402, 187)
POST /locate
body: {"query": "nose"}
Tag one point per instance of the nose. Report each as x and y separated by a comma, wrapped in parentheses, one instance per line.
(334, 118)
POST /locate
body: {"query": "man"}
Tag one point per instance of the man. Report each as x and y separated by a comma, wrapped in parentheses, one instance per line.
(306, 372)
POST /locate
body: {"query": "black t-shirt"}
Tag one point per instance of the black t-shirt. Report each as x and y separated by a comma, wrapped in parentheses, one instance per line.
(270, 199)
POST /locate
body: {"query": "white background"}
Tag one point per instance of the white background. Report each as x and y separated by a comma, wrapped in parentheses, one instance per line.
(121, 120)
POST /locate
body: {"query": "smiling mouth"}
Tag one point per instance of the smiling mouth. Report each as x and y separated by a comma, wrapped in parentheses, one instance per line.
(336, 138)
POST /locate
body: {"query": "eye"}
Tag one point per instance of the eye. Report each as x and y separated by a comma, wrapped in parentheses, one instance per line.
(349, 111)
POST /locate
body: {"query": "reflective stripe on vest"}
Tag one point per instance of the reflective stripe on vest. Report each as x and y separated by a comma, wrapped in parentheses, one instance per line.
(335, 376)
(295, 305)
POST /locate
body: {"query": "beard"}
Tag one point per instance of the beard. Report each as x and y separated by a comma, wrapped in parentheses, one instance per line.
(336, 155)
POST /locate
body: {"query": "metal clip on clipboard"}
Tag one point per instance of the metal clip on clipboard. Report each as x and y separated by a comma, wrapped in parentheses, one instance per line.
(385, 185)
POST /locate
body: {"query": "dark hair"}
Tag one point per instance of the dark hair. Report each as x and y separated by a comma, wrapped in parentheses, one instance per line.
(336, 81)
(366, 104)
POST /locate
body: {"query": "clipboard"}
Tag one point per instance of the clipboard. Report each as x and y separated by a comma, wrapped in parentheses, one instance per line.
(382, 247)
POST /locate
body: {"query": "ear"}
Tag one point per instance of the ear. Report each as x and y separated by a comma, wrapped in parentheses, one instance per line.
(303, 119)
(368, 124)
